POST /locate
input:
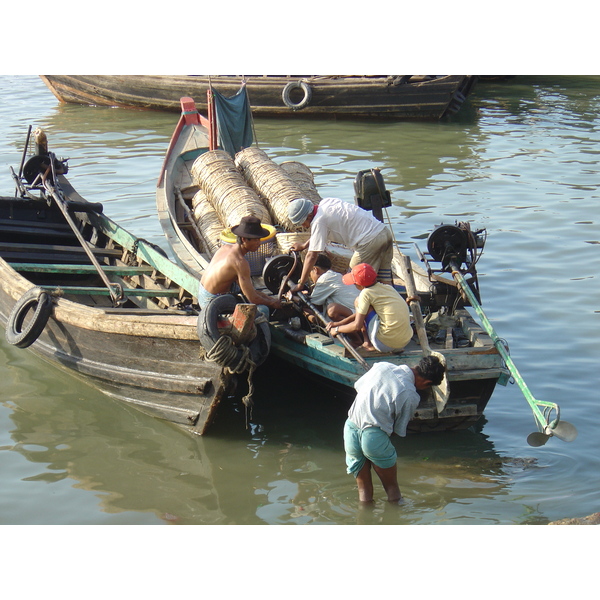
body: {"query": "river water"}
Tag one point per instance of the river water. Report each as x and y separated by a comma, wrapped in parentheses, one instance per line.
(520, 159)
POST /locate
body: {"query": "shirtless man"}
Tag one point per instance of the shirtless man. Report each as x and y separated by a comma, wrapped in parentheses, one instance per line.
(228, 266)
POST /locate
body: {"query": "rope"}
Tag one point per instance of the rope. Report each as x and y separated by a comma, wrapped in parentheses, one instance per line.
(225, 353)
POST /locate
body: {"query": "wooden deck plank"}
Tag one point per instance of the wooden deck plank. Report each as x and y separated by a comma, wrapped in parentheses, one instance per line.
(78, 269)
(61, 290)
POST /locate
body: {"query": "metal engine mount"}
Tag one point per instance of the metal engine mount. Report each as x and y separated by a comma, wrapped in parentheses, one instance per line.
(455, 245)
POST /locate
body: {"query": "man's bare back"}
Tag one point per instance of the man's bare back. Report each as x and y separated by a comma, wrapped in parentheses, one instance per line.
(224, 269)
(229, 265)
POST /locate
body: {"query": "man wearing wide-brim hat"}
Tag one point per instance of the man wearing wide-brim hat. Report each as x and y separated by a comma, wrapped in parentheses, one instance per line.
(229, 265)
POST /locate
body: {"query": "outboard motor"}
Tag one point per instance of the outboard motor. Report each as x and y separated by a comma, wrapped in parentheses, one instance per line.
(457, 248)
(370, 193)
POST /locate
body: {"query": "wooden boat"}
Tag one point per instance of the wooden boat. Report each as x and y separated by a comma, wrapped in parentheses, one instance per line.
(474, 365)
(88, 296)
(354, 96)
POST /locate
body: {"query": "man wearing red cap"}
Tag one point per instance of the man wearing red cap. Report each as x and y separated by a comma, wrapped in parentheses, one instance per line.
(382, 315)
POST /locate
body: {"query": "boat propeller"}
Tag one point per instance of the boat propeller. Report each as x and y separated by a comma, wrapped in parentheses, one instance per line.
(563, 430)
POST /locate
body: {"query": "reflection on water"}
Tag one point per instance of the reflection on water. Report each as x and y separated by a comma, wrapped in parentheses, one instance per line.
(288, 467)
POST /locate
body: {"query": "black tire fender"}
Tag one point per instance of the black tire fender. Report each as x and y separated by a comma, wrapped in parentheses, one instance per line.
(261, 344)
(294, 85)
(208, 330)
(15, 334)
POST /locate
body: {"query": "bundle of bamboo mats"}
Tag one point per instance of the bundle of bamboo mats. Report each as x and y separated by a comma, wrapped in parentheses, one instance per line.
(253, 184)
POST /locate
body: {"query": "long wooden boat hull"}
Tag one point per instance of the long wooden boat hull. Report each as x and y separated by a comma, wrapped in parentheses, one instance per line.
(145, 351)
(473, 371)
(398, 97)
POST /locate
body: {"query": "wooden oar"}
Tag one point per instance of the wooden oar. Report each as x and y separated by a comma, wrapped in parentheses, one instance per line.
(441, 392)
(116, 296)
(561, 429)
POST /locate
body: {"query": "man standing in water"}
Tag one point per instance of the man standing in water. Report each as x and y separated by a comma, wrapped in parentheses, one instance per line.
(385, 402)
(229, 266)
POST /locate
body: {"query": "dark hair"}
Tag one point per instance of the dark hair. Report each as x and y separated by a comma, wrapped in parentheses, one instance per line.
(430, 367)
(323, 261)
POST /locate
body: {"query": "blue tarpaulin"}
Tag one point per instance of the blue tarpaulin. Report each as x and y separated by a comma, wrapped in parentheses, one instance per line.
(234, 121)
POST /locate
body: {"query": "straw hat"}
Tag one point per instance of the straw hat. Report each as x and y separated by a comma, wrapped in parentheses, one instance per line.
(250, 227)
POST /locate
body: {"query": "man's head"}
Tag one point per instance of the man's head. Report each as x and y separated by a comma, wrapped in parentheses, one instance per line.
(300, 210)
(322, 265)
(363, 275)
(429, 371)
(250, 227)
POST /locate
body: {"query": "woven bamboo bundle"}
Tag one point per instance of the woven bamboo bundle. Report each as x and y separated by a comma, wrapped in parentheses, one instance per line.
(209, 224)
(271, 182)
(304, 179)
(227, 191)
(340, 255)
(285, 240)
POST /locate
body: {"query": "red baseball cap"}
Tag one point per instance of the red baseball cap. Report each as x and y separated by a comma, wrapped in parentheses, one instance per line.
(363, 274)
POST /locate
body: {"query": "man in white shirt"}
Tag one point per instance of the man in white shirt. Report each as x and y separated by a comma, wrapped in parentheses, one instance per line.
(334, 220)
(330, 291)
(386, 401)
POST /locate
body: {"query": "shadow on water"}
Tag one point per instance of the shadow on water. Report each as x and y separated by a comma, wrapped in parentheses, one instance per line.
(287, 467)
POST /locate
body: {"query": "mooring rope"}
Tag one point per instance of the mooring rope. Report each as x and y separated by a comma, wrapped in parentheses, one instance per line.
(225, 353)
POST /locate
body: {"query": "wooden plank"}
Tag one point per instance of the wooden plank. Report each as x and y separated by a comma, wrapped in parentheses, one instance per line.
(102, 291)
(79, 269)
(8, 246)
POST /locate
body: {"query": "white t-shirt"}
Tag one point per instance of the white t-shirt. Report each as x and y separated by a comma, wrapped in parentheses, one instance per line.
(386, 398)
(330, 288)
(344, 223)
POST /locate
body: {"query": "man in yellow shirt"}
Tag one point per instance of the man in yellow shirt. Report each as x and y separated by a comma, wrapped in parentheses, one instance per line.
(382, 315)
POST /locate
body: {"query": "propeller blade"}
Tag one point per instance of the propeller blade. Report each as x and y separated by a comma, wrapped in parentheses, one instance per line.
(537, 438)
(565, 431)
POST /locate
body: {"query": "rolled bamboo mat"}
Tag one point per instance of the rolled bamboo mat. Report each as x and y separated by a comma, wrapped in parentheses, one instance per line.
(304, 179)
(226, 190)
(209, 224)
(271, 182)
(340, 255)
(285, 240)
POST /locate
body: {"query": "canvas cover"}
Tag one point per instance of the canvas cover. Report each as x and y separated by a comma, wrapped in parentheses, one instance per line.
(234, 121)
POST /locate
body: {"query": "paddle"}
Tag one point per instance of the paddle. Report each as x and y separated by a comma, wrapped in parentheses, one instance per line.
(62, 204)
(441, 392)
(546, 428)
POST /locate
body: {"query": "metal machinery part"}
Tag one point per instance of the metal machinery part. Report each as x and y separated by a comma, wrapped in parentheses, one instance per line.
(277, 268)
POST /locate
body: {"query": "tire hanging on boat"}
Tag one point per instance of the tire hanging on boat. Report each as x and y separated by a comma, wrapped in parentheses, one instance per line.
(211, 338)
(24, 337)
(287, 93)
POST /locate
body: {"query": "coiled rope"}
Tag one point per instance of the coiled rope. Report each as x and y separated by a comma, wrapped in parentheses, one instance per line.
(225, 354)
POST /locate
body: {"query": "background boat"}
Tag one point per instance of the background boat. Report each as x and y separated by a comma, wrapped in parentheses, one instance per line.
(381, 96)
